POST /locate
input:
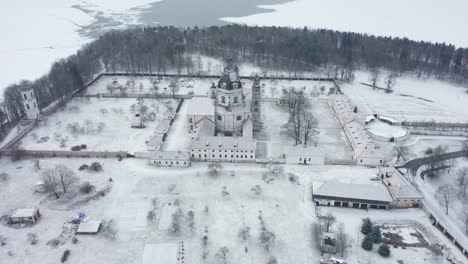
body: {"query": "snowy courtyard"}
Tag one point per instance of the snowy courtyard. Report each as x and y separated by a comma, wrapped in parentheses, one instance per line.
(102, 124)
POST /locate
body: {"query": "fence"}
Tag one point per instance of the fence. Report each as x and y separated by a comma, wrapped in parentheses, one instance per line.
(63, 154)
(340, 162)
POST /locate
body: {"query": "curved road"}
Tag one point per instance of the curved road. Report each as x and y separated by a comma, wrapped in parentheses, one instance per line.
(413, 165)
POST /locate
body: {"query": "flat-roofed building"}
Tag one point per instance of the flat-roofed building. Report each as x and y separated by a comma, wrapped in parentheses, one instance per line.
(362, 196)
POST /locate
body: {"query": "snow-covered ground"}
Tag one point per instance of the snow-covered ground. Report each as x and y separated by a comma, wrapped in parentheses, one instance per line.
(413, 99)
(285, 208)
(37, 33)
(383, 129)
(414, 20)
(103, 124)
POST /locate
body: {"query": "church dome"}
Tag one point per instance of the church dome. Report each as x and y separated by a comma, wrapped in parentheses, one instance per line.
(230, 78)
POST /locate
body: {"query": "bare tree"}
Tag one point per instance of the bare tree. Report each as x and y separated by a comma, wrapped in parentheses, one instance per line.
(214, 168)
(390, 82)
(329, 219)
(223, 255)
(51, 182)
(462, 180)
(67, 177)
(450, 164)
(309, 124)
(433, 156)
(374, 76)
(343, 240)
(465, 218)
(401, 151)
(445, 194)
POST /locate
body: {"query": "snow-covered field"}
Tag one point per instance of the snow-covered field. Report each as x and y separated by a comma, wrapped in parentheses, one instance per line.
(412, 100)
(103, 124)
(284, 206)
(396, 18)
(148, 85)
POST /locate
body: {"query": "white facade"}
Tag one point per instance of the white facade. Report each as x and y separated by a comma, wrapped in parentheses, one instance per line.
(30, 104)
(224, 149)
(170, 159)
(365, 152)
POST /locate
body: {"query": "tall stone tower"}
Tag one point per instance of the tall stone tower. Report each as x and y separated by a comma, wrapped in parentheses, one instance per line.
(29, 103)
(256, 106)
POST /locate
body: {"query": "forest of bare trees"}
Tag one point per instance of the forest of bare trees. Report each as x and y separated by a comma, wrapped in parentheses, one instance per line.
(160, 49)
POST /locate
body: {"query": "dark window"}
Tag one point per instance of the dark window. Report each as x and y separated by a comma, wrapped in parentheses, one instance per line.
(223, 99)
(25, 97)
(27, 106)
(236, 100)
(220, 117)
(239, 117)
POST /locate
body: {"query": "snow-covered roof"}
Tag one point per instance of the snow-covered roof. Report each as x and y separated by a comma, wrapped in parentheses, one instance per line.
(205, 127)
(304, 151)
(400, 188)
(23, 212)
(238, 109)
(88, 227)
(155, 140)
(163, 126)
(171, 155)
(222, 143)
(201, 106)
(163, 253)
(389, 119)
(354, 191)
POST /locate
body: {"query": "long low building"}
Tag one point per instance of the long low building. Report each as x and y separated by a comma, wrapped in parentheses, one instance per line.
(365, 151)
(224, 149)
(361, 196)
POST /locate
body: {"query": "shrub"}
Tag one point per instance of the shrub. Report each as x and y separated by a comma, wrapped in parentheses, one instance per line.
(65, 255)
(53, 243)
(75, 148)
(366, 227)
(376, 234)
(151, 216)
(384, 250)
(83, 167)
(32, 238)
(3, 240)
(86, 188)
(74, 240)
(4, 177)
(367, 243)
(95, 166)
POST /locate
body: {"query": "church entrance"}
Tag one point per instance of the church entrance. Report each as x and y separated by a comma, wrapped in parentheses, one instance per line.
(305, 161)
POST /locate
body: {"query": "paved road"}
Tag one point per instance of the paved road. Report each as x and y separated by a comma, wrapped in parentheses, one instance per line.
(413, 165)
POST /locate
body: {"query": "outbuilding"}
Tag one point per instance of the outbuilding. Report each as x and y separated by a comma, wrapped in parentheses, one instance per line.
(361, 196)
(170, 159)
(89, 227)
(28, 216)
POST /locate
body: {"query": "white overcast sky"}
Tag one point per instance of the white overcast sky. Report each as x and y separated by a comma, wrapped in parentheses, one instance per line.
(431, 20)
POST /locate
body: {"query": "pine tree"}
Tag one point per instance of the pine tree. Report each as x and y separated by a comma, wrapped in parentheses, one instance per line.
(367, 243)
(384, 250)
(366, 226)
(376, 234)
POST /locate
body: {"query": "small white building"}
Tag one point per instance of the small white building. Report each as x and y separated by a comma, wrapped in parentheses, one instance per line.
(155, 142)
(27, 216)
(369, 155)
(163, 127)
(89, 227)
(170, 159)
(404, 194)
(137, 122)
(29, 103)
(224, 149)
(304, 155)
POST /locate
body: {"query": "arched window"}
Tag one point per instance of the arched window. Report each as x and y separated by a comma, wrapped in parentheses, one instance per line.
(223, 99)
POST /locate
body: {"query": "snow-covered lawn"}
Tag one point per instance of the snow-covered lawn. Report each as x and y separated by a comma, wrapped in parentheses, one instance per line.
(274, 88)
(330, 138)
(413, 99)
(151, 85)
(137, 188)
(383, 129)
(103, 124)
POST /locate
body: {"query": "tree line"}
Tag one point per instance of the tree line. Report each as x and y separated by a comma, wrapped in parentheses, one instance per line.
(161, 49)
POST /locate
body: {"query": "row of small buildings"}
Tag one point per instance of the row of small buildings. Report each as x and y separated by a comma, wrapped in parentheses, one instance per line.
(365, 151)
(392, 191)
